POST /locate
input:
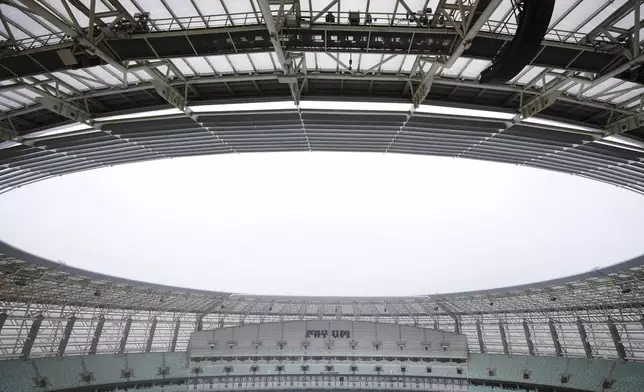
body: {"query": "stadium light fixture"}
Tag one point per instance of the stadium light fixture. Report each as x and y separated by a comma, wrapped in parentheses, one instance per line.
(624, 140)
(130, 116)
(355, 106)
(60, 130)
(239, 107)
(619, 144)
(452, 111)
(8, 144)
(561, 124)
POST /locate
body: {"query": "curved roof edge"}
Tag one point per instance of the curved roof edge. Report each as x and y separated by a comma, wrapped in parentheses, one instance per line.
(20, 254)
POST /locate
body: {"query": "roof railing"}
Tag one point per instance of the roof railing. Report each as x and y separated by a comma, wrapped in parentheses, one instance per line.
(375, 19)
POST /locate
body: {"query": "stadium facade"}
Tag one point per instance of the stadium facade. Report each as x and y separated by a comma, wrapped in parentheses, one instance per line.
(555, 85)
(583, 332)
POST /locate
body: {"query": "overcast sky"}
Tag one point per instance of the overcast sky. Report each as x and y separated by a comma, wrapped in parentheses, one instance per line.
(326, 223)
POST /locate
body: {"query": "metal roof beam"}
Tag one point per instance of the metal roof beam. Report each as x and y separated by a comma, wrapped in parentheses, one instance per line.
(613, 18)
(164, 89)
(125, 335)
(64, 109)
(444, 81)
(617, 340)
(31, 337)
(479, 335)
(175, 335)
(325, 9)
(97, 335)
(504, 339)
(555, 338)
(584, 338)
(62, 346)
(71, 31)
(199, 322)
(528, 337)
(153, 328)
(473, 31)
(423, 89)
(284, 60)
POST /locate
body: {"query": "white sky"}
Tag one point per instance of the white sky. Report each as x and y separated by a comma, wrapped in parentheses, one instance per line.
(326, 223)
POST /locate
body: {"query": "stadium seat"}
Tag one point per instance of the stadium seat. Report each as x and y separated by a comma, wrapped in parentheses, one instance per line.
(628, 377)
(588, 374)
(61, 372)
(546, 370)
(477, 366)
(176, 361)
(17, 376)
(105, 368)
(479, 388)
(145, 365)
(509, 367)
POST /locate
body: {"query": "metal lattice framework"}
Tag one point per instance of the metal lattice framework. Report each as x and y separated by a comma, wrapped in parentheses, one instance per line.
(88, 61)
(75, 77)
(53, 309)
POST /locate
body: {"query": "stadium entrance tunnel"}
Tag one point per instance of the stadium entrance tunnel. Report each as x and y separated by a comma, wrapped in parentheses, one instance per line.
(384, 127)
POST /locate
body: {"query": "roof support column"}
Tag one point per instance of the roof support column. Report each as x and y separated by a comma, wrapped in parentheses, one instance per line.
(423, 89)
(3, 318)
(324, 10)
(31, 337)
(153, 327)
(286, 63)
(555, 338)
(97, 335)
(479, 333)
(175, 335)
(636, 29)
(199, 322)
(66, 27)
(62, 346)
(617, 340)
(126, 334)
(504, 339)
(457, 318)
(584, 338)
(528, 337)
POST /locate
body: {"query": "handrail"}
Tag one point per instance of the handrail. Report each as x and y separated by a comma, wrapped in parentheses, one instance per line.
(193, 23)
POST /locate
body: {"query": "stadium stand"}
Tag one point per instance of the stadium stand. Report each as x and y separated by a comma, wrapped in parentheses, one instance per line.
(18, 376)
(545, 369)
(87, 85)
(146, 366)
(61, 372)
(106, 369)
(627, 377)
(589, 373)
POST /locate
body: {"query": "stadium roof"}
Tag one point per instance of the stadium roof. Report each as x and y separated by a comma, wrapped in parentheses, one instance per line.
(198, 68)
(29, 278)
(603, 304)
(91, 84)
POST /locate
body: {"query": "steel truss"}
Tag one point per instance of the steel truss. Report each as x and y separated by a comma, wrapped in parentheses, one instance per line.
(53, 310)
(576, 90)
(598, 314)
(109, 25)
